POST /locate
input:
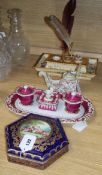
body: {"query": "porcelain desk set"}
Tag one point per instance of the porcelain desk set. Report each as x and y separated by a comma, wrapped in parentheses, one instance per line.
(68, 107)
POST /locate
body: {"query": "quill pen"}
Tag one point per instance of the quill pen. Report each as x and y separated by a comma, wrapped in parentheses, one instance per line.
(59, 29)
(68, 17)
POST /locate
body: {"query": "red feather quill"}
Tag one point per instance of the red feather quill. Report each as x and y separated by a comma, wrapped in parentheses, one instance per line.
(68, 18)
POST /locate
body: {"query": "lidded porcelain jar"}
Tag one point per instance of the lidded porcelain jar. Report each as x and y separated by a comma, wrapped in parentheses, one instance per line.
(73, 100)
(26, 94)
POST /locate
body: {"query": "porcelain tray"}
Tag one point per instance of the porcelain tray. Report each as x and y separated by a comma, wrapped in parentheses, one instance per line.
(85, 112)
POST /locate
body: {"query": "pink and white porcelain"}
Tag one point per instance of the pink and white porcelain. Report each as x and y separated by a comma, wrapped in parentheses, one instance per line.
(25, 94)
(85, 112)
(48, 100)
(73, 100)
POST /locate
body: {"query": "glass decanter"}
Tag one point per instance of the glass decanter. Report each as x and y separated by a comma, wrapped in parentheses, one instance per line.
(17, 43)
(5, 59)
(3, 30)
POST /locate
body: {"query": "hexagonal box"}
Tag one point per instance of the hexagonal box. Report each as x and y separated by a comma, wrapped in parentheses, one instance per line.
(50, 141)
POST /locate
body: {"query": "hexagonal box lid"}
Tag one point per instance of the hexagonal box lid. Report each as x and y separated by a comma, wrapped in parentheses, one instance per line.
(50, 141)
